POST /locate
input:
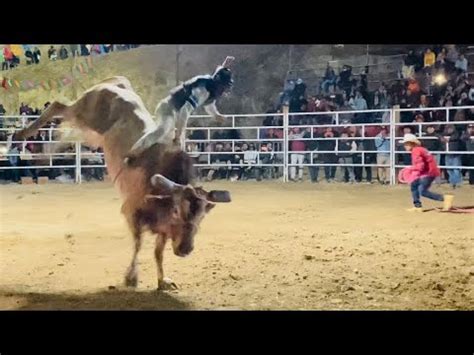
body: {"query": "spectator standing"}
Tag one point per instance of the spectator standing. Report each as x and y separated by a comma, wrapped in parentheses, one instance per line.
(429, 59)
(74, 49)
(359, 103)
(381, 97)
(327, 145)
(52, 55)
(63, 54)
(266, 157)
(329, 78)
(296, 145)
(433, 144)
(249, 161)
(8, 58)
(408, 69)
(453, 144)
(28, 54)
(312, 146)
(468, 138)
(36, 55)
(346, 147)
(14, 159)
(461, 64)
(84, 50)
(3, 63)
(382, 144)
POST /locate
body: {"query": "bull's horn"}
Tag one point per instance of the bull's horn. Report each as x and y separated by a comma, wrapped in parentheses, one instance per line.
(218, 196)
(167, 184)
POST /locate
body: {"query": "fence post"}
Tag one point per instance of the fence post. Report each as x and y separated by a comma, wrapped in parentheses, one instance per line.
(285, 143)
(78, 163)
(392, 146)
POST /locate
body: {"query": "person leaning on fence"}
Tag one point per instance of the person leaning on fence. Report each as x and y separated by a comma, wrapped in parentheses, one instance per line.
(326, 145)
(421, 174)
(347, 147)
(382, 144)
(266, 157)
(296, 145)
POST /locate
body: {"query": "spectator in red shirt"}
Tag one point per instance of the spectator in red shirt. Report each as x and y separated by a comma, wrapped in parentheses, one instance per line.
(297, 158)
(422, 172)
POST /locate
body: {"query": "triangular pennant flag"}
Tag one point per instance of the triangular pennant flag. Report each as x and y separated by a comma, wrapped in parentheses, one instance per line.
(17, 84)
(31, 84)
(81, 69)
(10, 82)
(4, 83)
(44, 85)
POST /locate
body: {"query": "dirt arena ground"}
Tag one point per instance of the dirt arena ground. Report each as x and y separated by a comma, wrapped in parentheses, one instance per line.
(276, 246)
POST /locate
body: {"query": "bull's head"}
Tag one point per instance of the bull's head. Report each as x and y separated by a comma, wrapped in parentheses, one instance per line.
(182, 209)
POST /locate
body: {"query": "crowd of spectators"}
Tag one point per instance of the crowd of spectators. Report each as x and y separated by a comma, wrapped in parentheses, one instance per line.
(22, 158)
(437, 77)
(11, 55)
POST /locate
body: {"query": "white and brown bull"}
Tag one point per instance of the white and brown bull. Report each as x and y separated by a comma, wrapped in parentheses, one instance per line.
(157, 187)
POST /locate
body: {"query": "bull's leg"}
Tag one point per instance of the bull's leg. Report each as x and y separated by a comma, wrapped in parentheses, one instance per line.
(163, 282)
(55, 109)
(131, 276)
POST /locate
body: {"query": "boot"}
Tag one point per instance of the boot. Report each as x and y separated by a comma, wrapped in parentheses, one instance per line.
(448, 202)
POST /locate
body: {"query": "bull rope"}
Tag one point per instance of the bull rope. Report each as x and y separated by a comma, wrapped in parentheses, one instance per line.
(118, 174)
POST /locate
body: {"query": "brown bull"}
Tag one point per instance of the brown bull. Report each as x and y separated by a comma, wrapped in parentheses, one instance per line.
(157, 188)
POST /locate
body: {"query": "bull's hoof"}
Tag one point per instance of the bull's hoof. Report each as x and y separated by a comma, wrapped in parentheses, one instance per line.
(131, 280)
(166, 285)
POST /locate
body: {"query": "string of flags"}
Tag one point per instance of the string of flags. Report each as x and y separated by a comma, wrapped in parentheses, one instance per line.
(78, 70)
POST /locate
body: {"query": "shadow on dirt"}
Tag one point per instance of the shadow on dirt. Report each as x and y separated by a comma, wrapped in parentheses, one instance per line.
(107, 299)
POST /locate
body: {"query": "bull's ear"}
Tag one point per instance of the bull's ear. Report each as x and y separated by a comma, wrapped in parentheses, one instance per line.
(218, 196)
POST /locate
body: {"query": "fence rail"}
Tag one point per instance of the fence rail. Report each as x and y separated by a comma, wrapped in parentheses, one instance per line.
(285, 129)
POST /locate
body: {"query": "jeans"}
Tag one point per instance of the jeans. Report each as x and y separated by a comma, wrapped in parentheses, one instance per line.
(420, 187)
(455, 177)
(349, 170)
(330, 172)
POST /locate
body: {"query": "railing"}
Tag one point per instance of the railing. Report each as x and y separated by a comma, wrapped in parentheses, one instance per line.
(281, 134)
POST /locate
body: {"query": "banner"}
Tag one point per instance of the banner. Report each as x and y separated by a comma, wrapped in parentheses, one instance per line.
(76, 71)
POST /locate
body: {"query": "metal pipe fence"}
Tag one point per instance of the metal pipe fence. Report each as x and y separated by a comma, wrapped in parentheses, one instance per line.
(253, 145)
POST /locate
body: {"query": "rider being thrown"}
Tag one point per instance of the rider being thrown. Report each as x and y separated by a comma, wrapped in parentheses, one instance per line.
(174, 111)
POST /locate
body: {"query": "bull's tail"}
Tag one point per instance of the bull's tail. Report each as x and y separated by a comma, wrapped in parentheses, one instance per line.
(55, 109)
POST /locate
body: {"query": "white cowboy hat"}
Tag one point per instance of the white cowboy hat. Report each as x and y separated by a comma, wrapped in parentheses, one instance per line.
(410, 138)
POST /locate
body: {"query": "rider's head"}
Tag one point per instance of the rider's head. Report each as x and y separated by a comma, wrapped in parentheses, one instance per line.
(223, 80)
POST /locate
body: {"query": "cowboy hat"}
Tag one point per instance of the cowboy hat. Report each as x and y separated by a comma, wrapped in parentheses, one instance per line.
(410, 138)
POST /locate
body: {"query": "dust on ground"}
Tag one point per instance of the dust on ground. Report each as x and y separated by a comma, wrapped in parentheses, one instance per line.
(276, 246)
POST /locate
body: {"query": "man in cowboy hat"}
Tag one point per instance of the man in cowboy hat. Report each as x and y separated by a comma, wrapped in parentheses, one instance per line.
(423, 171)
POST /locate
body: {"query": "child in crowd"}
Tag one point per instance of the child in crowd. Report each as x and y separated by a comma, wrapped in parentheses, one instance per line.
(421, 174)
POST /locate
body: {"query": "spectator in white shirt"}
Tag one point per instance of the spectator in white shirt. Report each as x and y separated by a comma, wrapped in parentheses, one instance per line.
(461, 64)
